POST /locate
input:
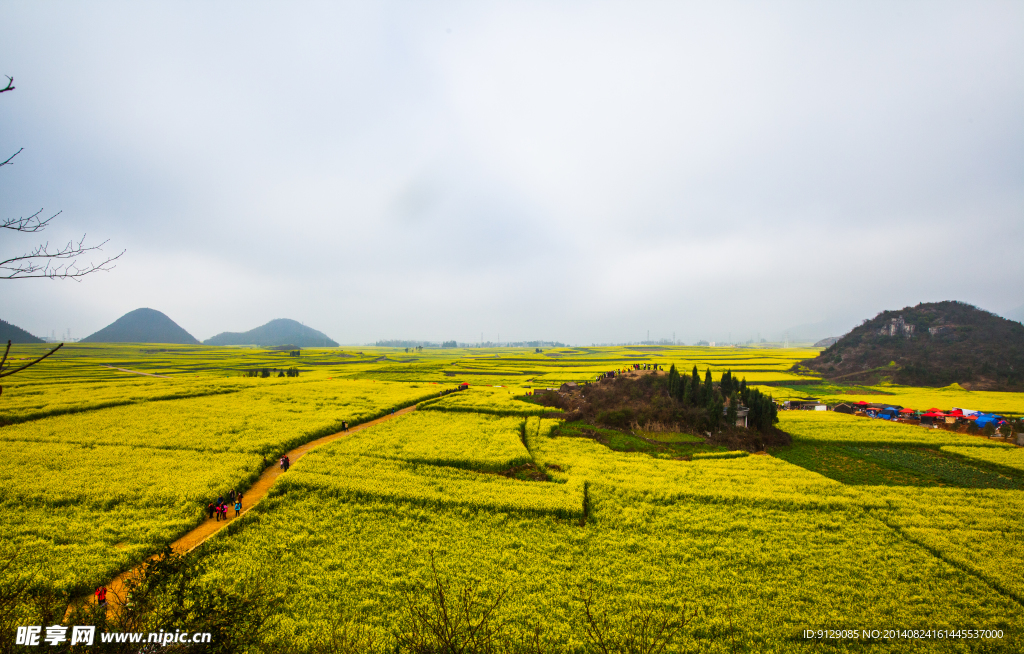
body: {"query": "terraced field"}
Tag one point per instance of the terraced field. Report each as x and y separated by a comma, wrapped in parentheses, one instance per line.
(858, 524)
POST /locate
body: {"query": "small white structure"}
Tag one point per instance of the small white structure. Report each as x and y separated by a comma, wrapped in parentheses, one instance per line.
(741, 416)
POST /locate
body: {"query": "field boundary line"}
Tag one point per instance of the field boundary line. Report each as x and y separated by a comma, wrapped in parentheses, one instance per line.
(965, 567)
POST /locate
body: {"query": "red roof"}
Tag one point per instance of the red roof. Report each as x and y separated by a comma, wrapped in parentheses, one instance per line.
(934, 410)
(971, 417)
(906, 411)
(862, 402)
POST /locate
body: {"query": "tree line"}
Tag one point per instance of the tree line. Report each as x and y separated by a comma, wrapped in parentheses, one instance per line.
(723, 399)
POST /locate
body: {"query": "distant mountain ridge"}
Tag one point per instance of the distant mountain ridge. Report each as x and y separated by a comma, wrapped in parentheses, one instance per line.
(281, 331)
(142, 326)
(15, 334)
(933, 344)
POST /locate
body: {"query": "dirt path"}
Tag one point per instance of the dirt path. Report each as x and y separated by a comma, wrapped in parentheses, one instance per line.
(135, 372)
(252, 497)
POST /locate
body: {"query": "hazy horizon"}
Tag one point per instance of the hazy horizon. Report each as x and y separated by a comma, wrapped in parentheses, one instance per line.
(578, 172)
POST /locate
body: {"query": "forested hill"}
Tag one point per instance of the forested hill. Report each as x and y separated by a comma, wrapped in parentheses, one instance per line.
(934, 344)
(142, 326)
(15, 334)
(281, 331)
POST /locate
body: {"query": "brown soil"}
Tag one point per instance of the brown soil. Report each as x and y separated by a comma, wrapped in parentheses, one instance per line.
(251, 497)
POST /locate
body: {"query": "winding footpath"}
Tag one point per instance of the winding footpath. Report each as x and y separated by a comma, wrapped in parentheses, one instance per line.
(252, 497)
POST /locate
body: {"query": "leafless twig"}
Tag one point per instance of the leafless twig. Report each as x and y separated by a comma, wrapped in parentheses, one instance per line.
(8, 373)
(43, 262)
(40, 262)
(8, 159)
(27, 224)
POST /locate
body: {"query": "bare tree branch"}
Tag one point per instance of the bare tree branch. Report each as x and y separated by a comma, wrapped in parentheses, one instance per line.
(43, 262)
(7, 372)
(40, 262)
(8, 159)
(27, 224)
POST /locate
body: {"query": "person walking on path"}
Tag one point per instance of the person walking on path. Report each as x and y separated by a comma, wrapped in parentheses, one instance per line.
(238, 506)
(285, 463)
(344, 425)
(210, 508)
(101, 595)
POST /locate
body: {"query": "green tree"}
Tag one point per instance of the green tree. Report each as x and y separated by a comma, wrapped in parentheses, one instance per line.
(726, 383)
(731, 414)
(695, 394)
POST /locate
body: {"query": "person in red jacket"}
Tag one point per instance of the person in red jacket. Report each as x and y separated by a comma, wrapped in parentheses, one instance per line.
(101, 595)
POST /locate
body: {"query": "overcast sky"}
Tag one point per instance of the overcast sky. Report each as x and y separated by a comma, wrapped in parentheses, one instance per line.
(576, 171)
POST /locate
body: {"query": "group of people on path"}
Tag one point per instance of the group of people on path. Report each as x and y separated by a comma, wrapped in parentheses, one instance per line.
(285, 463)
(219, 509)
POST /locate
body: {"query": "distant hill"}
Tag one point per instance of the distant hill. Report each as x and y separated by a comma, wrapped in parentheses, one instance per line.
(276, 332)
(15, 334)
(934, 344)
(825, 342)
(142, 326)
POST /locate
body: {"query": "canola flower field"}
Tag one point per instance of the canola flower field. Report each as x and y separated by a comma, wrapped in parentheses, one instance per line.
(268, 420)
(473, 441)
(859, 523)
(94, 491)
(499, 400)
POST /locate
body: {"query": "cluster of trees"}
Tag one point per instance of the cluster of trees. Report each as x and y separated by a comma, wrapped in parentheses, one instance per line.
(268, 372)
(446, 391)
(725, 398)
(449, 344)
(408, 345)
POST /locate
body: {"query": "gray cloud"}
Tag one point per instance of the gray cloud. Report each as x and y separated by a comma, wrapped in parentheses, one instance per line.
(576, 171)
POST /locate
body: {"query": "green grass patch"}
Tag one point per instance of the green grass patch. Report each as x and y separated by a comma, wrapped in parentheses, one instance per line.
(896, 466)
